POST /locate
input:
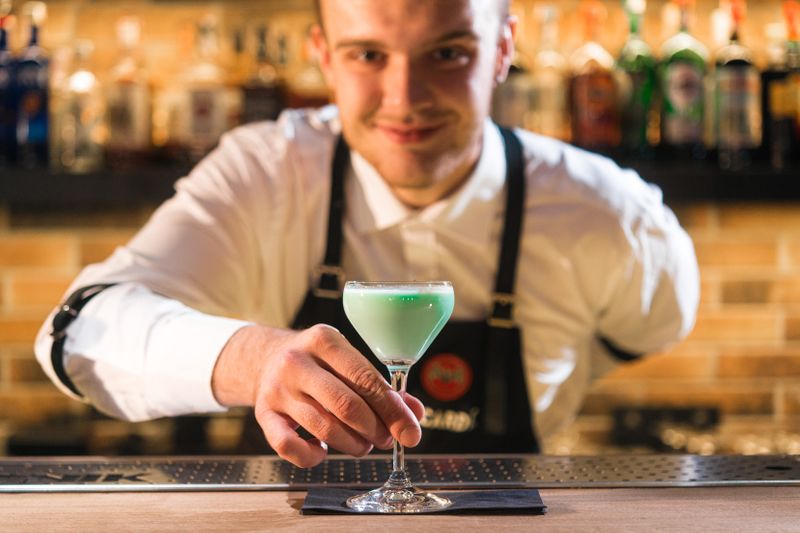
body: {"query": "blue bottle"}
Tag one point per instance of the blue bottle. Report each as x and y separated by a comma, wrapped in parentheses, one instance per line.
(7, 115)
(31, 102)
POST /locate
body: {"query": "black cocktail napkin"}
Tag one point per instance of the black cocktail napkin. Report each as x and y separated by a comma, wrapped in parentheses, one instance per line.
(493, 501)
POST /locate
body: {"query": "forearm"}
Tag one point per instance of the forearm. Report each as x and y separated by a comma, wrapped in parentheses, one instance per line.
(137, 355)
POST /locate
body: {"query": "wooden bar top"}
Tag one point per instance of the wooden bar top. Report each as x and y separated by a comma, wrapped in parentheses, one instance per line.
(749, 508)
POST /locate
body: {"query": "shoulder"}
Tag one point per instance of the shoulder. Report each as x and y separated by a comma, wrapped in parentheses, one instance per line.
(295, 133)
(562, 176)
(277, 155)
(559, 171)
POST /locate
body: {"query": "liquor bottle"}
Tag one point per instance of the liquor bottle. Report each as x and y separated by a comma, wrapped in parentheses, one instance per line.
(637, 83)
(549, 113)
(512, 100)
(7, 114)
(128, 100)
(594, 99)
(31, 98)
(201, 113)
(737, 98)
(307, 87)
(77, 117)
(792, 105)
(776, 105)
(265, 94)
(681, 78)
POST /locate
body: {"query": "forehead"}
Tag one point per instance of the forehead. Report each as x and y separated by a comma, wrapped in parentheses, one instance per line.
(408, 21)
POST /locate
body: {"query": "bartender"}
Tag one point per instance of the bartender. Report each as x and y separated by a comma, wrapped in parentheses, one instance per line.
(563, 264)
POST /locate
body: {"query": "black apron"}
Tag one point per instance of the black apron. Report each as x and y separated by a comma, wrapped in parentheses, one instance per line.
(471, 380)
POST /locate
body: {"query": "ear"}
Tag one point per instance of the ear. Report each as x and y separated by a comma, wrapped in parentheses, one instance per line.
(320, 45)
(505, 49)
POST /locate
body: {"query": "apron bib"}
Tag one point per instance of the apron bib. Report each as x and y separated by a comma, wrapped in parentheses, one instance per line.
(472, 379)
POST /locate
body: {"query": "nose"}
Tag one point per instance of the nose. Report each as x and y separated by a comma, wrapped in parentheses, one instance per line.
(405, 87)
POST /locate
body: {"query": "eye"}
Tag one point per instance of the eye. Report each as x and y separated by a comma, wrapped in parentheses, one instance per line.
(451, 54)
(368, 56)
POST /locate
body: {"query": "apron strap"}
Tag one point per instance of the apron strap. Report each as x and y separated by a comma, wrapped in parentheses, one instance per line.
(503, 296)
(329, 277)
(503, 342)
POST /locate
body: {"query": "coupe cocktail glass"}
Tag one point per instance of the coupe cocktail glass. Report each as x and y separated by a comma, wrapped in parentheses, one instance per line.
(398, 321)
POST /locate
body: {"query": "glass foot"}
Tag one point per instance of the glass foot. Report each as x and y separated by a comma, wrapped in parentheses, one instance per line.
(397, 500)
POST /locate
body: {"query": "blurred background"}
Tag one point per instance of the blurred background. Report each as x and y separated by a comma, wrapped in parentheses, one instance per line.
(104, 104)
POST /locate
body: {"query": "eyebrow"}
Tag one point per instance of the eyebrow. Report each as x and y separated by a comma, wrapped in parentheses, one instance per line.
(370, 43)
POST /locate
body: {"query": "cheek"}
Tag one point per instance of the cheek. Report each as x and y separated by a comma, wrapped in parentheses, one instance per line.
(355, 94)
(468, 88)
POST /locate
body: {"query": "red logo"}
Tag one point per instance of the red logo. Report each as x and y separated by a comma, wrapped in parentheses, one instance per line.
(446, 377)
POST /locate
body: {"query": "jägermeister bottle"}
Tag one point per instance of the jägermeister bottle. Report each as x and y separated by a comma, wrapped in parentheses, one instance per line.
(637, 82)
(681, 78)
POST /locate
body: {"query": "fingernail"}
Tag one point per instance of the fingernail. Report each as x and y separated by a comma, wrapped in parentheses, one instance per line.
(410, 436)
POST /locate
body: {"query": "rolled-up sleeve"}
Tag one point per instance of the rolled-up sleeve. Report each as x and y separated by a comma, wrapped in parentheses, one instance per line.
(146, 347)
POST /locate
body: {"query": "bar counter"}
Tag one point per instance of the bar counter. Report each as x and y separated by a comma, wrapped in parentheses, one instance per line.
(756, 509)
(264, 493)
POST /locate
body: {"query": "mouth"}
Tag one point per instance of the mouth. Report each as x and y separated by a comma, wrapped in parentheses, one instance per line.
(405, 135)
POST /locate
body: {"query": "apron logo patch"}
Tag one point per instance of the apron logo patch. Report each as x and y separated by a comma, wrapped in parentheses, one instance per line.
(446, 377)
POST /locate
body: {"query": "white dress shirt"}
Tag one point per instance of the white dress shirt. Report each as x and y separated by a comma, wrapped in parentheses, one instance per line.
(600, 256)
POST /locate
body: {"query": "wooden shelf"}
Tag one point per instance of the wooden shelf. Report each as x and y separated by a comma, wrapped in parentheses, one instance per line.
(36, 190)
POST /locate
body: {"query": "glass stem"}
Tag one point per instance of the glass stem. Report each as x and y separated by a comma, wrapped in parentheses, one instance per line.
(399, 376)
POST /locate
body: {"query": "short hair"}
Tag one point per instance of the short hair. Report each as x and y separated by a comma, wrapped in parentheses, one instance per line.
(504, 10)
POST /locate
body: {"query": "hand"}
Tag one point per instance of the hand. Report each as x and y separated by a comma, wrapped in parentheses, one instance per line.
(314, 379)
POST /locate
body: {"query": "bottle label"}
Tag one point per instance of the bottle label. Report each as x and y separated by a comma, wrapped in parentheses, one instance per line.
(202, 114)
(738, 107)
(595, 116)
(682, 121)
(548, 112)
(129, 117)
(636, 89)
(32, 127)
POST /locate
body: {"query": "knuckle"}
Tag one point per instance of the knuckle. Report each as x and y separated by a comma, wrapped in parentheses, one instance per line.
(346, 406)
(368, 382)
(323, 428)
(323, 337)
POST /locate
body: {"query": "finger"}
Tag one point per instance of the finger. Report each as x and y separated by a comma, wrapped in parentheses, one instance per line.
(351, 367)
(398, 417)
(342, 402)
(327, 428)
(280, 432)
(416, 406)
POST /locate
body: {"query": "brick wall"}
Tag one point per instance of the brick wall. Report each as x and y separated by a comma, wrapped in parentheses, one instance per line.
(743, 356)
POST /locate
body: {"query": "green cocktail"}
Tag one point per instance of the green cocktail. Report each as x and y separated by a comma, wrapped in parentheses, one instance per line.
(398, 321)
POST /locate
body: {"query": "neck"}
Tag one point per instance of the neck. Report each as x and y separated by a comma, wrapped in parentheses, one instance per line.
(419, 197)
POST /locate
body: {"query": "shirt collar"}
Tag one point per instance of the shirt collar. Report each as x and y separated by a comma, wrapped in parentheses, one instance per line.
(468, 212)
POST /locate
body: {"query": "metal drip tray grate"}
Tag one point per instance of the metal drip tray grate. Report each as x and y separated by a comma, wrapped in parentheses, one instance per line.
(271, 473)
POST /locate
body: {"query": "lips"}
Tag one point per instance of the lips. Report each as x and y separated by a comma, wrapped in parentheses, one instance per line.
(408, 135)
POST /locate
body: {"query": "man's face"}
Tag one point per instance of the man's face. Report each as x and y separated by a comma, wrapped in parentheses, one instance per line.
(413, 82)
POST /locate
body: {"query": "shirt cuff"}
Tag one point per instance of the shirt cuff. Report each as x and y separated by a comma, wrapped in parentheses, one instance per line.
(183, 351)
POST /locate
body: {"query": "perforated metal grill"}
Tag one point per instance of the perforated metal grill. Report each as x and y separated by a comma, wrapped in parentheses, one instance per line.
(271, 473)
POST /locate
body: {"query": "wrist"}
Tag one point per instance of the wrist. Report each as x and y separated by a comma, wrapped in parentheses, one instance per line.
(235, 375)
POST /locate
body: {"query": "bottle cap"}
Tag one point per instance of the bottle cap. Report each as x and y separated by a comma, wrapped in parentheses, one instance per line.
(791, 12)
(36, 11)
(738, 11)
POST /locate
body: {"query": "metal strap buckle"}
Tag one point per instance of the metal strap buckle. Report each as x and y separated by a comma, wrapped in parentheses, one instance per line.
(62, 319)
(331, 294)
(502, 298)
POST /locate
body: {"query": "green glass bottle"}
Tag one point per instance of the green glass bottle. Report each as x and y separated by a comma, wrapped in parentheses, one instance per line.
(637, 68)
(681, 78)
